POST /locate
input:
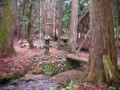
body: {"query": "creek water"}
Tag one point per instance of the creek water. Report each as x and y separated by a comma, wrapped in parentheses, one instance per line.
(38, 83)
(44, 82)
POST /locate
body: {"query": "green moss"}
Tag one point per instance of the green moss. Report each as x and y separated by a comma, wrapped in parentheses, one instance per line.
(111, 72)
(6, 29)
(41, 54)
(28, 64)
(5, 74)
(108, 61)
(13, 69)
(52, 68)
(100, 81)
(49, 69)
(84, 78)
(49, 57)
(16, 75)
(34, 72)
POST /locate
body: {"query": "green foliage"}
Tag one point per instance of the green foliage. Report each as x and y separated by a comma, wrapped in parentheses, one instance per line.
(66, 13)
(83, 6)
(1, 3)
(49, 57)
(5, 74)
(16, 75)
(85, 84)
(49, 69)
(112, 87)
(24, 19)
(34, 72)
(13, 69)
(70, 86)
(28, 64)
(48, 73)
(52, 88)
(41, 54)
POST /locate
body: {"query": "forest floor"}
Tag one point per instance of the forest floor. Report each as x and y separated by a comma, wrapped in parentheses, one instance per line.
(22, 60)
(25, 60)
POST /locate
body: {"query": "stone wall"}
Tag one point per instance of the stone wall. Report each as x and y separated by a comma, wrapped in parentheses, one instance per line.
(54, 67)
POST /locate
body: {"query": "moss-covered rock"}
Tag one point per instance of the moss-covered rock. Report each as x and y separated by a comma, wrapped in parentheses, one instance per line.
(16, 75)
(54, 67)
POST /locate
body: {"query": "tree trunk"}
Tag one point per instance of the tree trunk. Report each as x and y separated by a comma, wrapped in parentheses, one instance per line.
(117, 25)
(7, 28)
(103, 43)
(1, 16)
(73, 27)
(54, 20)
(40, 19)
(112, 75)
(108, 34)
(60, 23)
(1, 13)
(113, 4)
(15, 22)
(30, 26)
(95, 66)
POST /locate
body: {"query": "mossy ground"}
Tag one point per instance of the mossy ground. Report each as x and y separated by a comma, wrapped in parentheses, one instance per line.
(52, 68)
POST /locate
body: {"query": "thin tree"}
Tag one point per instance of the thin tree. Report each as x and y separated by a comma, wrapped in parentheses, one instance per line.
(30, 26)
(1, 13)
(73, 27)
(117, 25)
(60, 23)
(22, 14)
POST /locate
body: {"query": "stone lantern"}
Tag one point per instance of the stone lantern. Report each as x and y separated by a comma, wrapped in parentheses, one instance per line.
(47, 46)
(64, 39)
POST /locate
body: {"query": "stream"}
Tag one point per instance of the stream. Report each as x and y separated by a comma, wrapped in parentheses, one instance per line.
(45, 82)
(34, 82)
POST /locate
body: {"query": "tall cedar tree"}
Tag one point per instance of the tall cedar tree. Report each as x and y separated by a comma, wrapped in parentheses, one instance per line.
(60, 23)
(102, 64)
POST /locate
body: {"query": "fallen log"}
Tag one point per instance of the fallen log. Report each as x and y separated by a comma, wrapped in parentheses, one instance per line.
(76, 58)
